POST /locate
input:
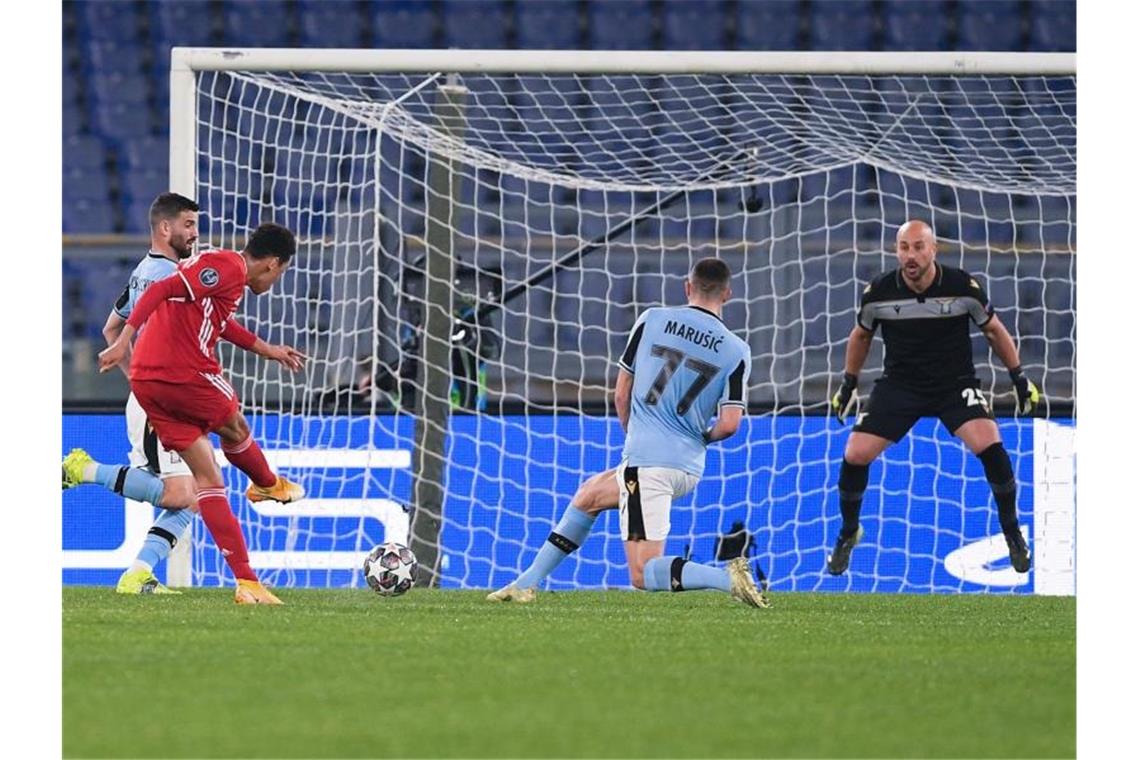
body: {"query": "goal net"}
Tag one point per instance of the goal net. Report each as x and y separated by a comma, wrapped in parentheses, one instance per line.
(476, 242)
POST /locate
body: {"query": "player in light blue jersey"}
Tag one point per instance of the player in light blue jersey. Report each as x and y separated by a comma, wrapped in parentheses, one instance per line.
(681, 386)
(154, 475)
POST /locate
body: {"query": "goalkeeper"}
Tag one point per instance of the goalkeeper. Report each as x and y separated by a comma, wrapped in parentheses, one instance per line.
(680, 367)
(925, 310)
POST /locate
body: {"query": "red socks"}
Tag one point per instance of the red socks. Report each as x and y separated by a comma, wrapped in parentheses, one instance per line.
(247, 457)
(224, 527)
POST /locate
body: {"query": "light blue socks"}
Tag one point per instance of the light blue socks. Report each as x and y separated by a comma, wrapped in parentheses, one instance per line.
(567, 536)
(676, 574)
(163, 535)
(131, 482)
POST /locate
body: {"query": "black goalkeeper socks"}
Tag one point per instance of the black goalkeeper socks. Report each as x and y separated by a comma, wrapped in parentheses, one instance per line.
(999, 473)
(852, 484)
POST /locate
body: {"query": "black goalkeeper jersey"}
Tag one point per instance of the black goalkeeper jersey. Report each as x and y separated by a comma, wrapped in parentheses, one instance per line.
(927, 335)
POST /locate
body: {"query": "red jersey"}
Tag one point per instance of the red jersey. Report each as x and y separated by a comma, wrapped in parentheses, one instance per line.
(178, 342)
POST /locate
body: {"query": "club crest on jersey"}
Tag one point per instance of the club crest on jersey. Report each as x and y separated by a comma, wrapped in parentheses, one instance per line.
(208, 277)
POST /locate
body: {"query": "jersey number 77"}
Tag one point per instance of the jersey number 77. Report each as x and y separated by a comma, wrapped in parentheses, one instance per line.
(673, 359)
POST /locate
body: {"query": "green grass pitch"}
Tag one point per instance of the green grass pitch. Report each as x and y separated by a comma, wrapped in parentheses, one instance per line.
(595, 674)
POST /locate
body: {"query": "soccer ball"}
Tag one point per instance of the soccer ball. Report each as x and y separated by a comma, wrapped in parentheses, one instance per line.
(390, 569)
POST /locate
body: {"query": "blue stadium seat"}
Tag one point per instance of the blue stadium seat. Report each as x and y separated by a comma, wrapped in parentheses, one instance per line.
(146, 152)
(185, 23)
(107, 56)
(1053, 26)
(101, 284)
(914, 26)
(547, 26)
(88, 217)
(769, 25)
(84, 153)
(85, 185)
(332, 24)
(119, 87)
(136, 217)
(123, 121)
(693, 25)
(261, 24)
(403, 24)
(620, 25)
(142, 185)
(74, 120)
(102, 20)
(990, 25)
(849, 25)
(72, 95)
(475, 24)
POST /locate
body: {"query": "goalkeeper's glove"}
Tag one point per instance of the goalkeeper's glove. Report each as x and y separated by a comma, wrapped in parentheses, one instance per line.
(845, 399)
(1027, 394)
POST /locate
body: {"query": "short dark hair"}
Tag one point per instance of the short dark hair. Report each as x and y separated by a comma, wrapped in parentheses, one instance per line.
(710, 277)
(168, 206)
(271, 239)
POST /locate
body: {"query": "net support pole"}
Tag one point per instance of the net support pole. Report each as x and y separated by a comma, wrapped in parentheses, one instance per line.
(183, 180)
(434, 401)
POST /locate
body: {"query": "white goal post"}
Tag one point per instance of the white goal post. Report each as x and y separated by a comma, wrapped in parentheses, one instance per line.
(478, 229)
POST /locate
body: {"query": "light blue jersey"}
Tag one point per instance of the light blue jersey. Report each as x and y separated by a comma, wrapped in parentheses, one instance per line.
(153, 268)
(686, 365)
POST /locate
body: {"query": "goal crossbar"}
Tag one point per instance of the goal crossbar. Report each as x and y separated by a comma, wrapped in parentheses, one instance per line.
(621, 61)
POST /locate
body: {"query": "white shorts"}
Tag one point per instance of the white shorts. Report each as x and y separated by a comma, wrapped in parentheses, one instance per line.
(647, 495)
(146, 450)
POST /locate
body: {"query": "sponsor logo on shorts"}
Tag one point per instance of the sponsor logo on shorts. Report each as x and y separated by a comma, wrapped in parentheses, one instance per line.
(631, 486)
(208, 277)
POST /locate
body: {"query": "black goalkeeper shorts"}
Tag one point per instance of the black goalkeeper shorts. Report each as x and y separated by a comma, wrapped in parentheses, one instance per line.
(893, 409)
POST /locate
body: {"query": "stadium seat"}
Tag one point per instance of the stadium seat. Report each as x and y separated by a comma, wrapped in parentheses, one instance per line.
(475, 24)
(547, 26)
(911, 26)
(108, 56)
(119, 87)
(769, 25)
(102, 283)
(145, 152)
(72, 89)
(74, 121)
(85, 185)
(266, 23)
(136, 217)
(990, 25)
(100, 20)
(84, 153)
(849, 25)
(1053, 26)
(88, 217)
(123, 121)
(403, 24)
(184, 22)
(693, 25)
(142, 185)
(331, 24)
(620, 26)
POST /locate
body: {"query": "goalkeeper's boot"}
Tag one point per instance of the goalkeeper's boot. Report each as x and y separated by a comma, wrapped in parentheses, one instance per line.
(141, 582)
(1019, 555)
(283, 491)
(743, 587)
(73, 466)
(512, 593)
(252, 592)
(840, 556)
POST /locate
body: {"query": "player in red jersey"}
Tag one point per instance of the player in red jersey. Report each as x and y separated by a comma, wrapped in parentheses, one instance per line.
(176, 377)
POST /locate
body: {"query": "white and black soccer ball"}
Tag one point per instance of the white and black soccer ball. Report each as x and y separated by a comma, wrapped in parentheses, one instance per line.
(390, 569)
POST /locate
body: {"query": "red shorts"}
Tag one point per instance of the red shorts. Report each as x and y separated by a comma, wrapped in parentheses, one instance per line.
(181, 413)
